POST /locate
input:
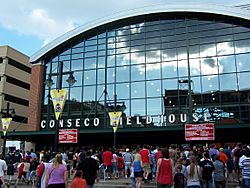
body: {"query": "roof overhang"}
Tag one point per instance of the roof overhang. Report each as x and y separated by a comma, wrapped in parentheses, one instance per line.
(170, 8)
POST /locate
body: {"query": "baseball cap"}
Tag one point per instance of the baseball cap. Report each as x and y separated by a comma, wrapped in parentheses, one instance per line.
(127, 149)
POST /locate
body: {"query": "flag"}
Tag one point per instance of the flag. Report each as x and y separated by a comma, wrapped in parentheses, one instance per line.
(114, 119)
(5, 125)
(58, 99)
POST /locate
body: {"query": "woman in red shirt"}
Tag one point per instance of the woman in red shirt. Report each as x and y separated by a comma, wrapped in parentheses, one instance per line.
(165, 170)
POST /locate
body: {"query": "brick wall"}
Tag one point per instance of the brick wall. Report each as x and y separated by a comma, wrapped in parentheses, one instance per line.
(35, 98)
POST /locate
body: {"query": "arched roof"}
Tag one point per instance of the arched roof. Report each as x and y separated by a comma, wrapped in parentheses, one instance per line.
(185, 7)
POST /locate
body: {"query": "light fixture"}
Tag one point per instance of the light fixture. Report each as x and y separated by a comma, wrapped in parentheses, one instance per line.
(13, 113)
(71, 80)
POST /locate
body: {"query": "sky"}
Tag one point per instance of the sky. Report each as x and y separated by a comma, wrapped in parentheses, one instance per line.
(28, 25)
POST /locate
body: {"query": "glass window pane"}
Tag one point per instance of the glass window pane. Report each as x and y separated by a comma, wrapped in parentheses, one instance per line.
(210, 83)
(111, 91)
(228, 82)
(153, 56)
(111, 61)
(153, 71)
(226, 64)
(195, 67)
(77, 64)
(137, 57)
(242, 46)
(196, 84)
(154, 106)
(111, 75)
(138, 107)
(138, 72)
(170, 84)
(209, 66)
(122, 74)
(169, 69)
(138, 90)
(76, 94)
(225, 48)
(89, 93)
(243, 63)
(101, 76)
(101, 62)
(182, 68)
(78, 78)
(90, 77)
(207, 50)
(122, 91)
(244, 80)
(154, 88)
(90, 63)
(169, 54)
(122, 59)
(100, 92)
(77, 56)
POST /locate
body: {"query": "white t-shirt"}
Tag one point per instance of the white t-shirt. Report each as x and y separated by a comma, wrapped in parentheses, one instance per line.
(3, 167)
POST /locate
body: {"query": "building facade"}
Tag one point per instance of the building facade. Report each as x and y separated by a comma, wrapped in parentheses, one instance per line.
(161, 67)
(15, 72)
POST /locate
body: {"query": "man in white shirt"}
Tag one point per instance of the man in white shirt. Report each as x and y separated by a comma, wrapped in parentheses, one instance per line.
(3, 168)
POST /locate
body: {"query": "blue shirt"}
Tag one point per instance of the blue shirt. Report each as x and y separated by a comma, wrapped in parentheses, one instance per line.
(137, 166)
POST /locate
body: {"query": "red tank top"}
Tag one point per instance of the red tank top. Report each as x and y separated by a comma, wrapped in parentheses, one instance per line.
(165, 174)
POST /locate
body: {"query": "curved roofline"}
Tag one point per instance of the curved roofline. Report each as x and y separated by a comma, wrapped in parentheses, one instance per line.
(202, 8)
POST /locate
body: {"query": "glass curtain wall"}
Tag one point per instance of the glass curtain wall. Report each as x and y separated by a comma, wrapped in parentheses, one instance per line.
(146, 66)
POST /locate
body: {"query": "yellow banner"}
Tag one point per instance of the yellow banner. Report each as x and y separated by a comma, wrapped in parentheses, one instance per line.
(114, 119)
(5, 125)
(58, 99)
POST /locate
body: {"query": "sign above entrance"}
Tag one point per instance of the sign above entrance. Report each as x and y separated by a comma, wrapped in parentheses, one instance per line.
(204, 131)
(68, 136)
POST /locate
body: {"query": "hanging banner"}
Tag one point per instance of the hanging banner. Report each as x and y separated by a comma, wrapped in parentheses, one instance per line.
(203, 131)
(58, 99)
(68, 136)
(114, 119)
(5, 125)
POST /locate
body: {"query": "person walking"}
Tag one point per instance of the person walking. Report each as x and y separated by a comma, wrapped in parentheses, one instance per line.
(207, 168)
(3, 169)
(41, 171)
(56, 174)
(89, 168)
(128, 158)
(138, 171)
(219, 173)
(193, 173)
(165, 170)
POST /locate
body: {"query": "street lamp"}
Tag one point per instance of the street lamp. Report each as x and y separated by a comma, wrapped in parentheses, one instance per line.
(49, 82)
(6, 116)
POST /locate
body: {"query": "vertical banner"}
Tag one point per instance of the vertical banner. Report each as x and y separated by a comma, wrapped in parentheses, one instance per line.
(5, 125)
(58, 99)
(114, 119)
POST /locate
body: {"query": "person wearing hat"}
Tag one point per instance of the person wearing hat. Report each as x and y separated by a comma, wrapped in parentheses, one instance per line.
(128, 158)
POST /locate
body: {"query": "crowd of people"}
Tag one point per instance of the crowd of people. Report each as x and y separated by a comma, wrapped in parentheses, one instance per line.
(199, 166)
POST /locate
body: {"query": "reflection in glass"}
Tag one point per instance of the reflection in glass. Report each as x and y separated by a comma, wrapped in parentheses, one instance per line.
(122, 74)
(100, 92)
(153, 56)
(209, 66)
(111, 61)
(89, 93)
(228, 82)
(138, 72)
(111, 75)
(76, 94)
(153, 71)
(154, 88)
(90, 63)
(194, 67)
(242, 62)
(78, 77)
(243, 79)
(138, 107)
(122, 59)
(170, 84)
(122, 91)
(137, 89)
(154, 106)
(226, 64)
(210, 83)
(196, 85)
(89, 77)
(137, 57)
(169, 69)
(101, 62)
(77, 64)
(182, 68)
(101, 76)
(225, 48)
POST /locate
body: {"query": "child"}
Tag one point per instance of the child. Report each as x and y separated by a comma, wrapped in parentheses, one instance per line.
(132, 177)
(78, 182)
(179, 178)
